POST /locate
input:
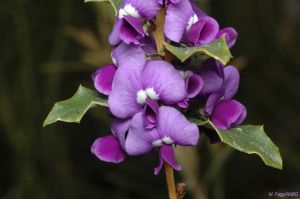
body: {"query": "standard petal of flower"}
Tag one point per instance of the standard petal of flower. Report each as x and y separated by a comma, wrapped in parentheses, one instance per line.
(139, 140)
(194, 84)
(228, 113)
(177, 18)
(166, 154)
(108, 149)
(230, 35)
(125, 55)
(114, 37)
(231, 81)
(103, 78)
(131, 30)
(165, 80)
(122, 100)
(119, 129)
(174, 125)
(147, 9)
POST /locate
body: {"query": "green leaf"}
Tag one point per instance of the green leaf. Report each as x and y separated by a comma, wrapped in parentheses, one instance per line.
(115, 3)
(217, 49)
(73, 109)
(252, 140)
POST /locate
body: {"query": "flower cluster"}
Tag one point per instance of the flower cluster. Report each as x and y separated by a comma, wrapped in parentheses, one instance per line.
(149, 98)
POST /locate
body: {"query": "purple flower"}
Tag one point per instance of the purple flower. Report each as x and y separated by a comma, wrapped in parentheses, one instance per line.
(224, 112)
(133, 88)
(193, 86)
(131, 24)
(230, 35)
(172, 128)
(185, 22)
(121, 56)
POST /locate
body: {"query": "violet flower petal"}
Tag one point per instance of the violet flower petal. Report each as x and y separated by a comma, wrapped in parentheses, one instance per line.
(177, 18)
(166, 154)
(114, 37)
(174, 125)
(212, 100)
(147, 9)
(131, 30)
(231, 81)
(108, 149)
(119, 129)
(139, 140)
(103, 78)
(125, 55)
(212, 74)
(230, 35)
(194, 84)
(165, 80)
(150, 114)
(122, 101)
(228, 113)
(203, 32)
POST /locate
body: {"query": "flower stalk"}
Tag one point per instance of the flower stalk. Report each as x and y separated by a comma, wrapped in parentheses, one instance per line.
(170, 181)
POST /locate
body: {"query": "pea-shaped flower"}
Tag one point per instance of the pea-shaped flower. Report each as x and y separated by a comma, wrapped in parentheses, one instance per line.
(172, 129)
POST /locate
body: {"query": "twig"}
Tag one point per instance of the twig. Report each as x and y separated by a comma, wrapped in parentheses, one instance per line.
(170, 181)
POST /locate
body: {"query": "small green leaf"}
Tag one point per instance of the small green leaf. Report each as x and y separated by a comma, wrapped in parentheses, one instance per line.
(115, 3)
(73, 109)
(217, 49)
(252, 140)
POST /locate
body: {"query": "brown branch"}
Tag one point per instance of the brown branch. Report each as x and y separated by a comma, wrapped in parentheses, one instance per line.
(158, 34)
(170, 181)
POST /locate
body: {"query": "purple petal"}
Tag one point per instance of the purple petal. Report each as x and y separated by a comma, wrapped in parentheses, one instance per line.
(212, 100)
(194, 84)
(230, 35)
(122, 100)
(183, 104)
(125, 55)
(231, 82)
(114, 37)
(150, 114)
(166, 154)
(103, 78)
(119, 128)
(139, 140)
(173, 124)
(108, 149)
(147, 9)
(203, 32)
(148, 45)
(177, 18)
(131, 30)
(165, 80)
(228, 113)
(212, 75)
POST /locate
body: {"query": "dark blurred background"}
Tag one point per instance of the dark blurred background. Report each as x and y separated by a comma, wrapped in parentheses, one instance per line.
(48, 48)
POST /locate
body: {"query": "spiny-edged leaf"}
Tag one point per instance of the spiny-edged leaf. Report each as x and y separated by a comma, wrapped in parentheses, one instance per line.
(115, 3)
(73, 109)
(252, 140)
(217, 49)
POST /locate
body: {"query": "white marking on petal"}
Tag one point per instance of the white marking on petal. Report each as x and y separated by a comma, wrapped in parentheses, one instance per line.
(185, 73)
(167, 140)
(152, 94)
(194, 19)
(128, 10)
(113, 59)
(157, 143)
(141, 97)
